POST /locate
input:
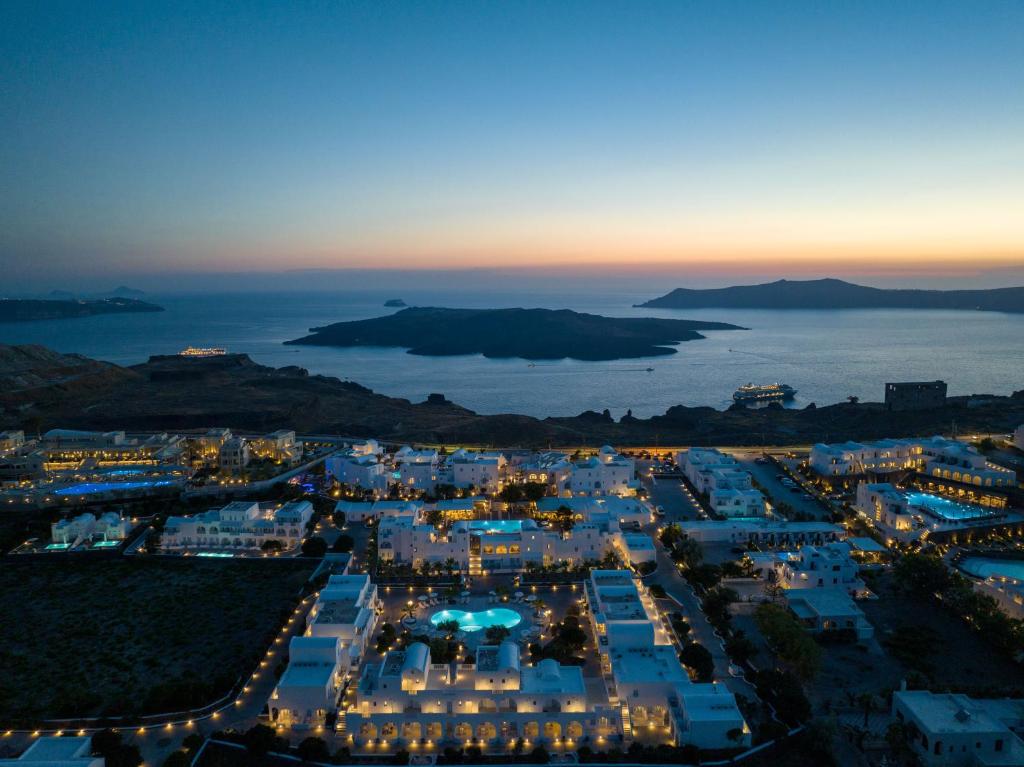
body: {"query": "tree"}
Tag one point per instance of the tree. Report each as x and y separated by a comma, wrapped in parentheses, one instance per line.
(259, 739)
(688, 551)
(271, 545)
(449, 627)
(193, 741)
(539, 755)
(534, 491)
(497, 634)
(314, 547)
(787, 637)
(697, 658)
(784, 692)
(564, 518)
(109, 745)
(178, 759)
(314, 749)
(922, 573)
(401, 757)
(344, 544)
(511, 494)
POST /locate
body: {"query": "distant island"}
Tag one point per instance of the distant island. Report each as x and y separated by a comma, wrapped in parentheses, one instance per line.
(28, 310)
(395, 302)
(837, 294)
(533, 334)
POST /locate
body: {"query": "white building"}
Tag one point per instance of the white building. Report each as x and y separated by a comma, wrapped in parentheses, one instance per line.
(908, 515)
(627, 511)
(308, 689)
(347, 608)
(483, 471)
(935, 457)
(279, 446)
(11, 441)
(408, 698)
(241, 525)
(950, 730)
(206, 447)
(812, 567)
(72, 531)
(417, 469)
(729, 489)
(548, 468)
(360, 466)
(763, 532)
(607, 473)
(480, 546)
(822, 610)
(656, 699)
(361, 511)
(233, 456)
(338, 628)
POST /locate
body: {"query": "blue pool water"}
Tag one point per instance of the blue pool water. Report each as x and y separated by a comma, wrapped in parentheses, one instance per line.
(497, 525)
(484, 619)
(983, 567)
(944, 508)
(92, 488)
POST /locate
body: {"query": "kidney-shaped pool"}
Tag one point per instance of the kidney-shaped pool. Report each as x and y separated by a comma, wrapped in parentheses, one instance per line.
(478, 621)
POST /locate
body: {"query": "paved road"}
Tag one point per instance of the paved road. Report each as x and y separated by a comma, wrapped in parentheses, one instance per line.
(668, 577)
(677, 507)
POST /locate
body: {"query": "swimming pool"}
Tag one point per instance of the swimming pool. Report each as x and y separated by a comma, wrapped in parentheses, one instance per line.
(92, 488)
(944, 508)
(478, 621)
(984, 567)
(497, 525)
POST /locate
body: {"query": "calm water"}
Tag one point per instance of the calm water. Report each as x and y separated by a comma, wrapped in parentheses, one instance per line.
(826, 355)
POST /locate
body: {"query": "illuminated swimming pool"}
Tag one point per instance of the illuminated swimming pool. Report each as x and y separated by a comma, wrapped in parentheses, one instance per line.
(984, 567)
(92, 488)
(478, 621)
(497, 525)
(944, 508)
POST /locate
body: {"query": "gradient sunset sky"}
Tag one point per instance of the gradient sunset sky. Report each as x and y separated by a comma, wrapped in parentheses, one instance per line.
(715, 138)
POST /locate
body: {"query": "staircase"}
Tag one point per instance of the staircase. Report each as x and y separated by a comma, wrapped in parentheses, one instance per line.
(474, 564)
(340, 726)
(627, 725)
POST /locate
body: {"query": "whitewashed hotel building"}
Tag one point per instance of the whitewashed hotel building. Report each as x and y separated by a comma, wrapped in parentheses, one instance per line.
(606, 473)
(338, 628)
(729, 488)
(408, 700)
(644, 679)
(241, 525)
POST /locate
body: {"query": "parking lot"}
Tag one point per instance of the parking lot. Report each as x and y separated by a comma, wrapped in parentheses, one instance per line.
(767, 476)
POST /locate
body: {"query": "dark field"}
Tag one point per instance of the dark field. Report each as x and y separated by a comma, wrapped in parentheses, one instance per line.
(103, 637)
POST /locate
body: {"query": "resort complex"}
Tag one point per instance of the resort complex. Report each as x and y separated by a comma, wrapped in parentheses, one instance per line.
(534, 602)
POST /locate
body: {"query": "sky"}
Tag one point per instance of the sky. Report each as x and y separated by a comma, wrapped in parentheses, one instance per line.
(700, 142)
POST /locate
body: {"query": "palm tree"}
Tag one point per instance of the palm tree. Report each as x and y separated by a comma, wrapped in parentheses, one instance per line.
(449, 566)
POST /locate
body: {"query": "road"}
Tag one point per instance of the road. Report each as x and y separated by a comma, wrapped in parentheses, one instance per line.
(678, 506)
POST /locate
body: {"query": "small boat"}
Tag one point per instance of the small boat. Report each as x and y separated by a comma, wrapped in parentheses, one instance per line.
(752, 393)
(650, 370)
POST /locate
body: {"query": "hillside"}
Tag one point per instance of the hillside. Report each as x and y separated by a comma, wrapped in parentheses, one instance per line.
(177, 393)
(28, 310)
(837, 294)
(536, 334)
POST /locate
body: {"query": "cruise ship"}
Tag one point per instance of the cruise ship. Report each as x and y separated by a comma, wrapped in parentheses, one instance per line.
(752, 393)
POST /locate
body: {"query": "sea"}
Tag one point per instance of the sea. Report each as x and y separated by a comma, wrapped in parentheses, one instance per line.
(827, 356)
